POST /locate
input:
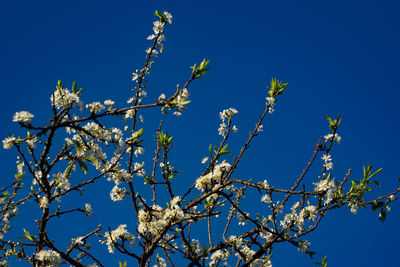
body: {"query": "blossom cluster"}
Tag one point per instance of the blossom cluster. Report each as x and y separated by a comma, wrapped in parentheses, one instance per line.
(226, 114)
(329, 137)
(180, 102)
(23, 116)
(158, 33)
(63, 97)
(212, 178)
(154, 219)
(8, 142)
(327, 161)
(328, 187)
(95, 107)
(297, 220)
(48, 258)
(119, 233)
(271, 102)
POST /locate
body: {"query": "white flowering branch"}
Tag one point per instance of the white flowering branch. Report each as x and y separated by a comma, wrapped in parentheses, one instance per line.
(78, 142)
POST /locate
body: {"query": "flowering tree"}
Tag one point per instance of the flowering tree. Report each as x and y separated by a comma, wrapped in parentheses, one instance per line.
(80, 143)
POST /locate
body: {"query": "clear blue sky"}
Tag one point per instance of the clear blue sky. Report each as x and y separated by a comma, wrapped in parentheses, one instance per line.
(337, 56)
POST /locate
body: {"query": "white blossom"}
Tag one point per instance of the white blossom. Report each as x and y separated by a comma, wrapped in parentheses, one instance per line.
(266, 198)
(234, 129)
(88, 209)
(95, 107)
(117, 194)
(109, 102)
(138, 168)
(119, 233)
(23, 116)
(168, 16)
(326, 186)
(354, 208)
(139, 151)
(48, 258)
(31, 142)
(337, 138)
(8, 142)
(226, 113)
(304, 246)
(63, 97)
(271, 102)
(61, 182)
(213, 177)
(44, 202)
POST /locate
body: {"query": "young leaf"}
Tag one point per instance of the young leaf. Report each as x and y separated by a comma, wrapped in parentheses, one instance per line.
(83, 166)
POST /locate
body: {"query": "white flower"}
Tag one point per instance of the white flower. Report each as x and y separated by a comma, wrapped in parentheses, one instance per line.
(48, 258)
(88, 209)
(61, 182)
(8, 142)
(222, 129)
(20, 167)
(327, 161)
(234, 129)
(31, 142)
(337, 138)
(63, 97)
(161, 262)
(78, 240)
(109, 102)
(139, 151)
(226, 113)
(168, 16)
(138, 168)
(158, 26)
(95, 107)
(304, 246)
(211, 178)
(326, 186)
(141, 119)
(22, 116)
(204, 160)
(312, 212)
(119, 233)
(260, 128)
(44, 202)
(326, 157)
(135, 76)
(150, 37)
(354, 208)
(271, 102)
(129, 114)
(117, 194)
(266, 198)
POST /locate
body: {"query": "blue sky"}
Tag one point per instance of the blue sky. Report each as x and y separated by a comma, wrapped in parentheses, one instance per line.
(337, 56)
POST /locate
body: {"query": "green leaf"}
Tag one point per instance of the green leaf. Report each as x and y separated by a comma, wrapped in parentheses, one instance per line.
(80, 151)
(329, 120)
(74, 87)
(122, 264)
(68, 170)
(83, 166)
(92, 159)
(28, 236)
(158, 14)
(59, 84)
(375, 173)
